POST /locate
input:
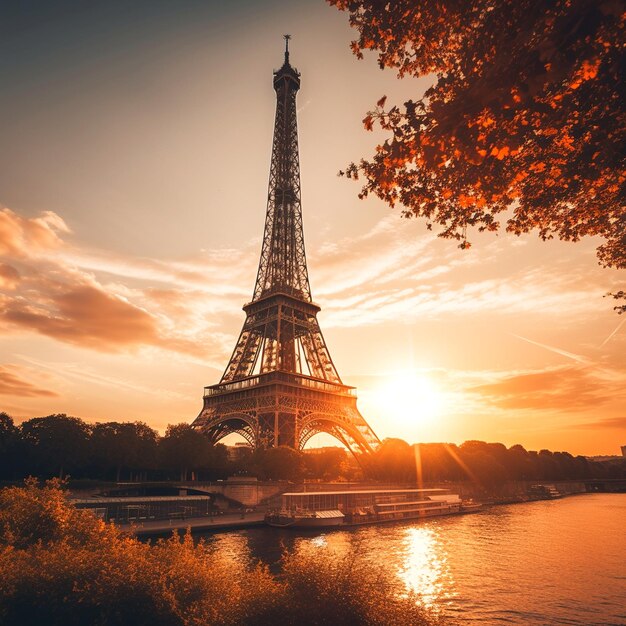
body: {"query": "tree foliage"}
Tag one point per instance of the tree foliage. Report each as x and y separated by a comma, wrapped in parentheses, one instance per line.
(395, 461)
(524, 119)
(328, 464)
(324, 588)
(55, 444)
(110, 450)
(281, 463)
(487, 465)
(124, 445)
(8, 434)
(184, 448)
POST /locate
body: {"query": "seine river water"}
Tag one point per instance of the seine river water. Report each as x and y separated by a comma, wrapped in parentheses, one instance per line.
(549, 562)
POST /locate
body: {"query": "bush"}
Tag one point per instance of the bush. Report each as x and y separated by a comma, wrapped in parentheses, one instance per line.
(320, 588)
(62, 566)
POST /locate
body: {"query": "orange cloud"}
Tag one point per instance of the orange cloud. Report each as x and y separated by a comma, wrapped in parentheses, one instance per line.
(21, 236)
(83, 315)
(11, 384)
(610, 423)
(42, 291)
(9, 276)
(563, 388)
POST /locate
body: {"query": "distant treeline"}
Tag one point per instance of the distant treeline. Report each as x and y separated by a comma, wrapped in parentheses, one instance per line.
(58, 445)
(487, 464)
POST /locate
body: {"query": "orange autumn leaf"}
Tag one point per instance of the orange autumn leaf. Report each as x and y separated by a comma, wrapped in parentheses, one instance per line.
(500, 153)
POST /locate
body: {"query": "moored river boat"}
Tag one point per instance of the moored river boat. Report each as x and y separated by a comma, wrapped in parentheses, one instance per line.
(305, 519)
(323, 509)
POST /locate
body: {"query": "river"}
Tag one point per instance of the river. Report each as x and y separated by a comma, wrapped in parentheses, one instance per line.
(547, 562)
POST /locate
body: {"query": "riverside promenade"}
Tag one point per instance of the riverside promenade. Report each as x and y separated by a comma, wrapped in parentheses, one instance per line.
(217, 523)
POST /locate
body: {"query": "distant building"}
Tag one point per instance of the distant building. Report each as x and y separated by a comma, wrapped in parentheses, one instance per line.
(238, 451)
(322, 449)
(603, 457)
(623, 450)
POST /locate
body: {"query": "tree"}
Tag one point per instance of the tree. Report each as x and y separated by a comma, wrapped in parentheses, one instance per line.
(327, 464)
(395, 461)
(126, 445)
(281, 463)
(525, 116)
(54, 444)
(7, 428)
(482, 462)
(216, 465)
(438, 461)
(8, 434)
(184, 448)
(520, 467)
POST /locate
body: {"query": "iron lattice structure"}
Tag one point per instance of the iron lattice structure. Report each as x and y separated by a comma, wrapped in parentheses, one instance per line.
(280, 386)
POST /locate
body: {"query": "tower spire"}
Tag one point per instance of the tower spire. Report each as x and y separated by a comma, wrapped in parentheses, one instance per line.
(282, 267)
(287, 38)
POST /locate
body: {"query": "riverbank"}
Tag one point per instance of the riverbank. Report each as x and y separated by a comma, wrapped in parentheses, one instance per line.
(239, 521)
(221, 523)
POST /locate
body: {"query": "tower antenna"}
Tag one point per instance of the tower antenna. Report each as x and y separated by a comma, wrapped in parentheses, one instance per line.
(286, 38)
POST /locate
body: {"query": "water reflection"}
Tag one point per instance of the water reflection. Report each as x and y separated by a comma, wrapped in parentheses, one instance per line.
(319, 542)
(559, 562)
(424, 565)
(231, 545)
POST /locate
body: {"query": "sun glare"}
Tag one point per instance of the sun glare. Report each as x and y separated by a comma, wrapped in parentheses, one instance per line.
(411, 397)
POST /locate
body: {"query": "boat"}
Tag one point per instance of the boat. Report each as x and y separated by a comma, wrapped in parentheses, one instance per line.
(305, 519)
(326, 509)
(471, 507)
(544, 492)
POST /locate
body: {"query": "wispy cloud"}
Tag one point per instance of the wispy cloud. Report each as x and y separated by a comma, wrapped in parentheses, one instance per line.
(78, 371)
(570, 355)
(44, 289)
(609, 423)
(615, 331)
(563, 388)
(12, 383)
(397, 272)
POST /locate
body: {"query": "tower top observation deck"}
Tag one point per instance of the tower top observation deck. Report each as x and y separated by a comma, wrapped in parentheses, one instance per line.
(287, 76)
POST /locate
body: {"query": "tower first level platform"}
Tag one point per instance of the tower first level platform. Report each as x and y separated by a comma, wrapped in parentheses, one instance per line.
(281, 408)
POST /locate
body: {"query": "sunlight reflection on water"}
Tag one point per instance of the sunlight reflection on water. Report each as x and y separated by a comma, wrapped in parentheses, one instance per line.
(319, 541)
(552, 562)
(424, 565)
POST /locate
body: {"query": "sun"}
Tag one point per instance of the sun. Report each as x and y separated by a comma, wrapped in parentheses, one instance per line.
(411, 397)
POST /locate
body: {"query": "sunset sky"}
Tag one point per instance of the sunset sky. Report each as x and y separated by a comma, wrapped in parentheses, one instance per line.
(136, 140)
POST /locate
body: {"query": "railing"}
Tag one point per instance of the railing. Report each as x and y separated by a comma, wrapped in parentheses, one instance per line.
(236, 385)
(278, 377)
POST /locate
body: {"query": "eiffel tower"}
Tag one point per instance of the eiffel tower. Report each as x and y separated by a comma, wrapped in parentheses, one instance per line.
(280, 386)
